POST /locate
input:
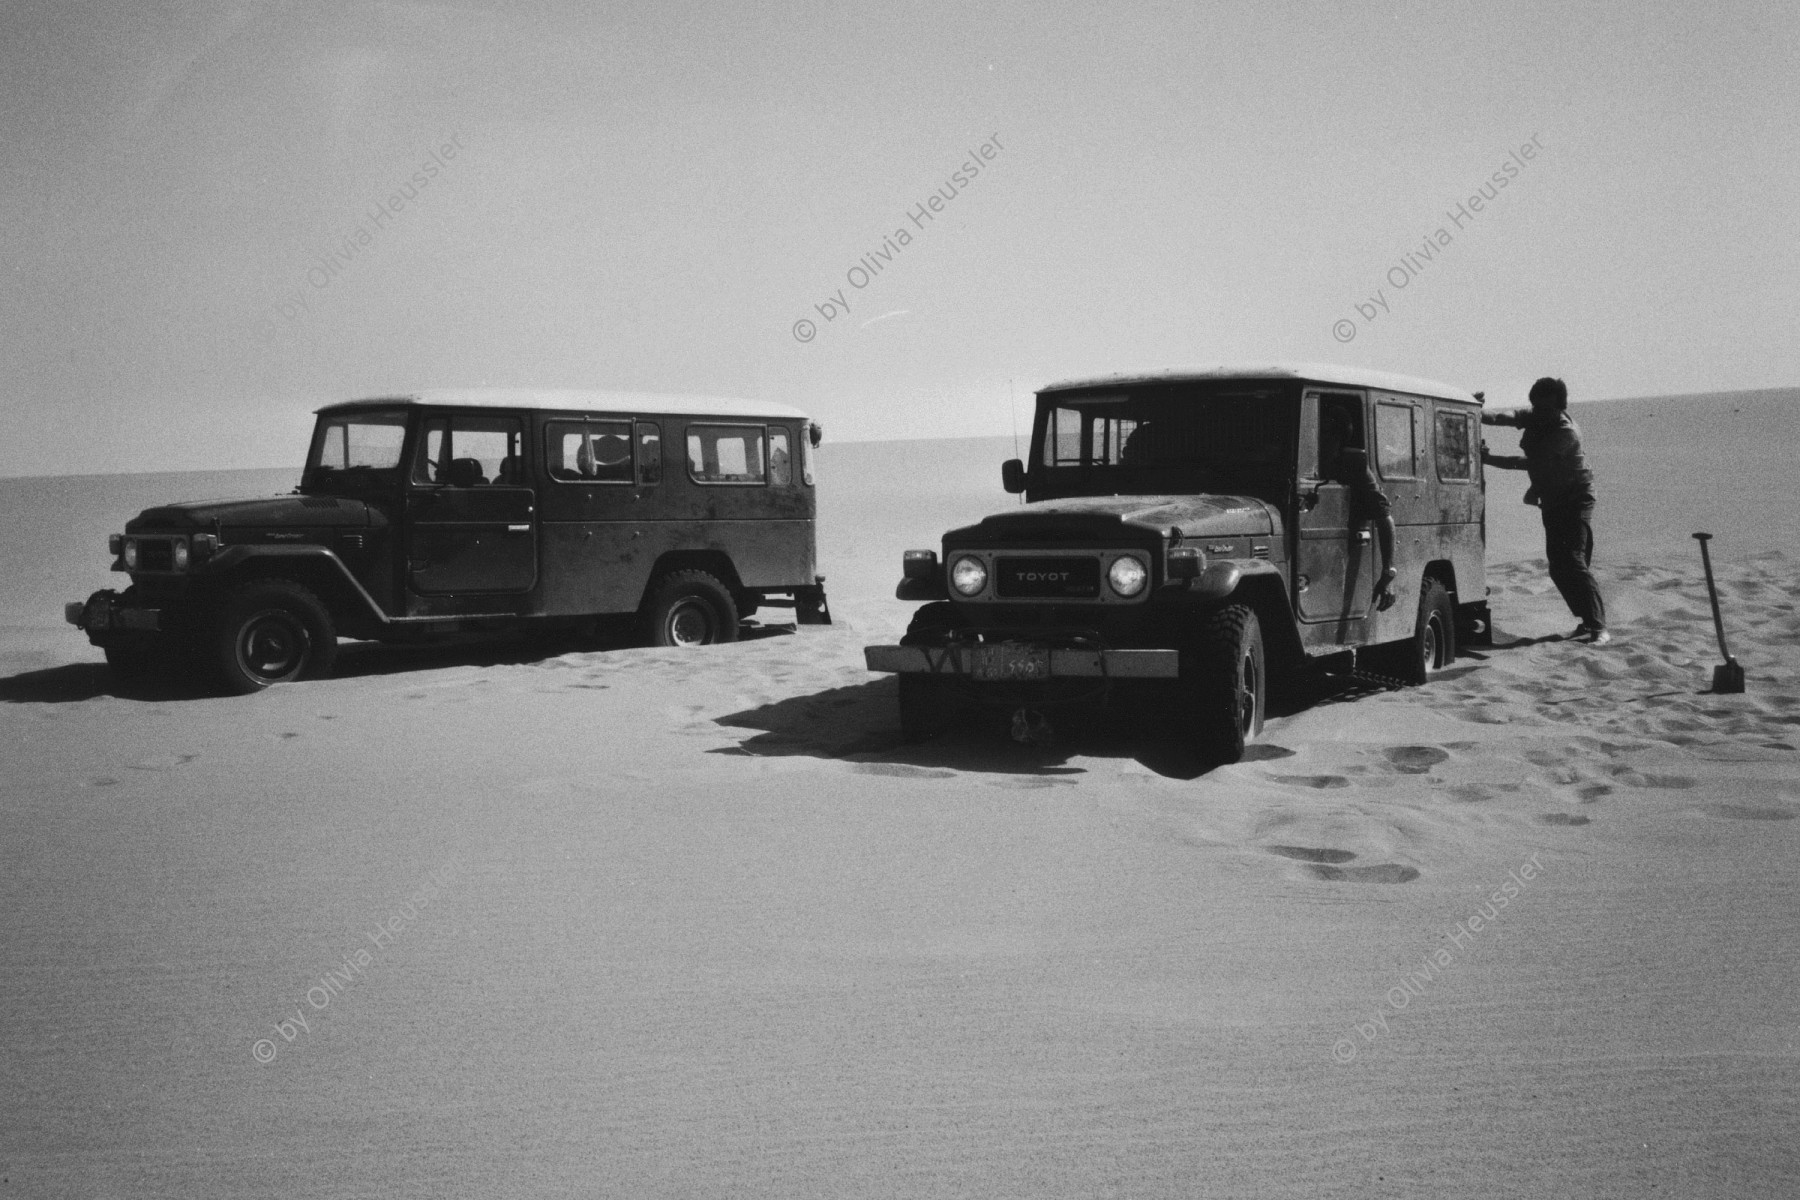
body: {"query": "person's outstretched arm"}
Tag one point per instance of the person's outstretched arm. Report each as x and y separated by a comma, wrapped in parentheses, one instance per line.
(1506, 462)
(1384, 537)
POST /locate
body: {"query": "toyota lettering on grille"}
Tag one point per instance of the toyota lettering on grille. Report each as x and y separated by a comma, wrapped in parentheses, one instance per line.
(1054, 578)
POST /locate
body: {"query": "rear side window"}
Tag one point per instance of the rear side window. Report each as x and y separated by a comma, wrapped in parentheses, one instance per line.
(1455, 458)
(649, 439)
(726, 454)
(1394, 448)
(588, 451)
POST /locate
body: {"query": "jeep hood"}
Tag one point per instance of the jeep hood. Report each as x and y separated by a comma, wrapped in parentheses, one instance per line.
(1089, 517)
(272, 511)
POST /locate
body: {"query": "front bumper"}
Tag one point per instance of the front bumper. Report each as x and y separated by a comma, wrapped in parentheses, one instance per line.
(103, 613)
(1004, 663)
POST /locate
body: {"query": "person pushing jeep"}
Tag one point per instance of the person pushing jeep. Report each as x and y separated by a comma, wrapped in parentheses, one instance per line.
(1562, 487)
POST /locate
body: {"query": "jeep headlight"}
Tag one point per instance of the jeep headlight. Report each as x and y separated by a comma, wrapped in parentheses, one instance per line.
(1127, 575)
(130, 555)
(181, 554)
(968, 575)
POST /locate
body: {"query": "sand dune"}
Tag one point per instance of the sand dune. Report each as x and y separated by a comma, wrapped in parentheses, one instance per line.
(506, 921)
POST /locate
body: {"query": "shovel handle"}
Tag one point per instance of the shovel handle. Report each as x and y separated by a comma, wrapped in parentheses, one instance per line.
(1712, 593)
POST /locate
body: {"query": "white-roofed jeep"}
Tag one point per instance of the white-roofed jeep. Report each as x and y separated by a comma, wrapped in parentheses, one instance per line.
(442, 512)
(1204, 531)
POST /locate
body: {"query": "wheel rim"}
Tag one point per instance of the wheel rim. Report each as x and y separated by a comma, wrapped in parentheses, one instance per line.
(1247, 695)
(1431, 653)
(690, 624)
(272, 646)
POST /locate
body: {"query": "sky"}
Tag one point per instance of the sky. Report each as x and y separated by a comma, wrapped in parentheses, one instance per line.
(215, 217)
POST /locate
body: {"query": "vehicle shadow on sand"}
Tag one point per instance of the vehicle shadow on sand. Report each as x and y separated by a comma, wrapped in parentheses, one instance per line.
(74, 682)
(860, 724)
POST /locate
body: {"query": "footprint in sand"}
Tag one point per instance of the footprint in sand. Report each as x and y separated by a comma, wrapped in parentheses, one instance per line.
(1308, 854)
(103, 781)
(1750, 812)
(1469, 793)
(1313, 781)
(1385, 873)
(163, 762)
(1631, 778)
(901, 771)
(1563, 819)
(1415, 760)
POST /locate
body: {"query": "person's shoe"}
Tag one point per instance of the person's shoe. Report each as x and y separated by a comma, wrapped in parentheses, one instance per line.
(1598, 637)
(1582, 632)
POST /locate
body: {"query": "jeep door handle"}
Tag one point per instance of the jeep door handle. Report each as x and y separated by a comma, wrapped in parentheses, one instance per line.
(527, 529)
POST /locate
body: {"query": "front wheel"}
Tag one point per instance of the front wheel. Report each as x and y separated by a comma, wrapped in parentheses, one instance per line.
(1229, 684)
(927, 702)
(271, 632)
(925, 707)
(139, 660)
(691, 608)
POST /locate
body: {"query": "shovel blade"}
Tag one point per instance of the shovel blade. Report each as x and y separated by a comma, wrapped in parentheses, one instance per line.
(1728, 677)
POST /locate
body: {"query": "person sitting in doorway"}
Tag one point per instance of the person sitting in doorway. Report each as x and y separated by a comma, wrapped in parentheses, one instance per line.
(1343, 460)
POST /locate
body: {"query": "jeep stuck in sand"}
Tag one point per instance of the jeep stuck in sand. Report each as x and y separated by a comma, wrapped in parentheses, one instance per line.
(424, 515)
(1197, 531)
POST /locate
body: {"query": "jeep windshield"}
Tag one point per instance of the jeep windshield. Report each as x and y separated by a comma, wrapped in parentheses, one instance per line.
(1165, 438)
(355, 452)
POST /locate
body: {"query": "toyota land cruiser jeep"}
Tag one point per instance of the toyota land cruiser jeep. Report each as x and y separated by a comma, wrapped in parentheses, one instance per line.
(441, 512)
(1182, 527)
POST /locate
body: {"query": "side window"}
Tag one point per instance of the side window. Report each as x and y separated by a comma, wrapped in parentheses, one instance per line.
(471, 452)
(781, 465)
(649, 462)
(1340, 429)
(725, 453)
(1394, 448)
(1454, 458)
(588, 451)
(1062, 438)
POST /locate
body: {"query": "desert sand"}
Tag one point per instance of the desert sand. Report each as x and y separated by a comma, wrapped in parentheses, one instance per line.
(514, 921)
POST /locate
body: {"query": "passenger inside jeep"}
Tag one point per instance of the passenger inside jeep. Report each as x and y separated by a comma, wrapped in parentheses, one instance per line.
(590, 452)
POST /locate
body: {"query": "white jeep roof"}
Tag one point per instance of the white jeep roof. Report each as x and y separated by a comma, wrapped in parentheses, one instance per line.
(1310, 372)
(572, 400)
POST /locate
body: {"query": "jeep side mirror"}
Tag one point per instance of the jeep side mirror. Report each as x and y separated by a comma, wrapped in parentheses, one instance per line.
(1012, 476)
(815, 433)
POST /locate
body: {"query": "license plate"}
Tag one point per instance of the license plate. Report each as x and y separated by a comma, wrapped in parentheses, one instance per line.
(1009, 663)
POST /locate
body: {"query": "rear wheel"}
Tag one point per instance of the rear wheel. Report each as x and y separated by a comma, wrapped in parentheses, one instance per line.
(691, 608)
(1229, 687)
(269, 632)
(1433, 643)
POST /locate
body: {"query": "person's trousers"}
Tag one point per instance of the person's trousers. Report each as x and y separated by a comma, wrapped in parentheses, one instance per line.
(1569, 545)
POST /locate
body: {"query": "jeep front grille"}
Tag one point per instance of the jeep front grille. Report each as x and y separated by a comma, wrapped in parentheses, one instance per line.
(1060, 578)
(156, 554)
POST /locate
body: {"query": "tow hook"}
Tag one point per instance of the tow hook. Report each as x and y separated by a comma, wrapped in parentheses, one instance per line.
(1031, 728)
